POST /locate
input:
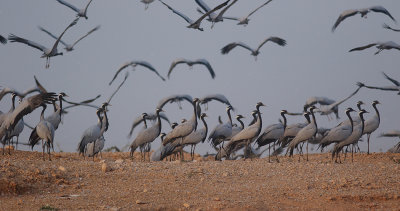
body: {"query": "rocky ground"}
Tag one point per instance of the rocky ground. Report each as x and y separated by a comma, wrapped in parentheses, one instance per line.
(115, 182)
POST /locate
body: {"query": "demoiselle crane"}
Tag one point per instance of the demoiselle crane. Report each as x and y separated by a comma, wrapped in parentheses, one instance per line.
(379, 45)
(396, 86)
(372, 123)
(45, 132)
(196, 137)
(245, 20)
(134, 64)
(353, 138)
(213, 17)
(227, 48)
(69, 47)
(191, 63)
(222, 131)
(348, 13)
(47, 52)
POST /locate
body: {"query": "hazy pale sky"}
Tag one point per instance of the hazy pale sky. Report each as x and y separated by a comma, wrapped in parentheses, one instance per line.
(315, 62)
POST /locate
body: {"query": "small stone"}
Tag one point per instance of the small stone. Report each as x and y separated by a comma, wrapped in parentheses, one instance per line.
(62, 168)
(119, 161)
(115, 209)
(186, 205)
(105, 168)
(140, 202)
(225, 174)
(145, 190)
(217, 199)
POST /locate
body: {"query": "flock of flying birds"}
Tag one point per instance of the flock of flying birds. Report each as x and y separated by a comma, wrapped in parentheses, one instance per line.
(226, 138)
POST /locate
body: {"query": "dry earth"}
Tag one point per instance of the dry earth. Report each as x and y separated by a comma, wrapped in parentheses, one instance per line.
(115, 182)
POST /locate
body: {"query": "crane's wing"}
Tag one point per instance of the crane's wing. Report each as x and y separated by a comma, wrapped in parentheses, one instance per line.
(150, 67)
(391, 79)
(88, 5)
(203, 5)
(226, 49)
(14, 38)
(381, 9)
(51, 35)
(174, 98)
(119, 70)
(3, 39)
(176, 62)
(59, 38)
(91, 31)
(393, 133)
(68, 5)
(258, 8)
(380, 88)
(221, 14)
(187, 19)
(207, 64)
(340, 102)
(218, 97)
(390, 28)
(363, 47)
(30, 104)
(209, 12)
(39, 85)
(276, 40)
(115, 92)
(344, 15)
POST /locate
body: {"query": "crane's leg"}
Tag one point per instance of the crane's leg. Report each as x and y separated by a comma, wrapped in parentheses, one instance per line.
(16, 145)
(307, 150)
(352, 154)
(43, 149)
(269, 153)
(48, 151)
(94, 147)
(368, 135)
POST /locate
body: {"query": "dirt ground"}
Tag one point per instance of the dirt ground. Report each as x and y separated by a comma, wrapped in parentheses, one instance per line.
(115, 182)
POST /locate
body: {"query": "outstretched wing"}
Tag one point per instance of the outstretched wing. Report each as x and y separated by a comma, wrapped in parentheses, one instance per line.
(390, 28)
(362, 47)
(391, 79)
(51, 35)
(174, 98)
(59, 38)
(115, 92)
(150, 67)
(91, 31)
(187, 19)
(3, 39)
(276, 40)
(381, 9)
(226, 49)
(176, 62)
(207, 64)
(119, 70)
(344, 15)
(340, 102)
(218, 97)
(209, 12)
(15, 38)
(69, 5)
(258, 8)
(221, 14)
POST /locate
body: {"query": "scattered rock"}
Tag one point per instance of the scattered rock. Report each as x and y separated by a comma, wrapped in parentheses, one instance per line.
(119, 161)
(186, 205)
(217, 199)
(105, 167)
(140, 202)
(62, 168)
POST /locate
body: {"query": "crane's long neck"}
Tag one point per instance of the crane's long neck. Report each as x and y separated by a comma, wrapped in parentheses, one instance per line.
(144, 121)
(42, 114)
(60, 99)
(241, 123)
(99, 120)
(284, 121)
(54, 106)
(229, 116)
(205, 126)
(351, 120)
(158, 122)
(362, 123)
(259, 119)
(194, 117)
(314, 121)
(13, 102)
(106, 121)
(377, 112)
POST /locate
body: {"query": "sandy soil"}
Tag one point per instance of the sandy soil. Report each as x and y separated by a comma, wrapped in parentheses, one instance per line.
(115, 182)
